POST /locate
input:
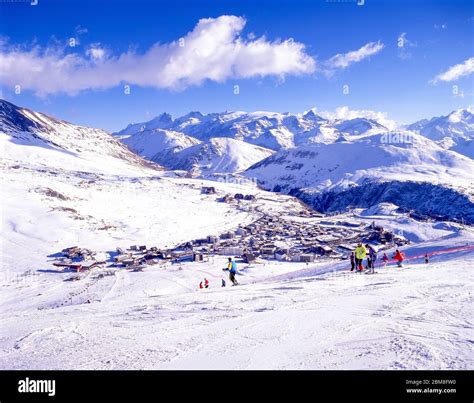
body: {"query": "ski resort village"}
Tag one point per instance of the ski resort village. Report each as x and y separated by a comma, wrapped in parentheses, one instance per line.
(236, 240)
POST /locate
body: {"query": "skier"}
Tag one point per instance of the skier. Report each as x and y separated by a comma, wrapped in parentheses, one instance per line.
(200, 285)
(371, 258)
(385, 260)
(352, 257)
(360, 254)
(206, 283)
(223, 283)
(399, 257)
(232, 267)
(427, 259)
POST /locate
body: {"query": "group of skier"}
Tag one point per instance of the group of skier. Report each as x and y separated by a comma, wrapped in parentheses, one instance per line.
(368, 253)
(362, 252)
(231, 268)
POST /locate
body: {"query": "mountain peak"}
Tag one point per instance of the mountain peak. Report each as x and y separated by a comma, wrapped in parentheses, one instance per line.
(460, 115)
(194, 114)
(312, 115)
(164, 117)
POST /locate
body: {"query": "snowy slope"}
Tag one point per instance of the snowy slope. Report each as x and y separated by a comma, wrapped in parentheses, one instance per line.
(178, 151)
(454, 131)
(218, 155)
(33, 138)
(64, 184)
(372, 170)
(291, 317)
(346, 163)
(159, 145)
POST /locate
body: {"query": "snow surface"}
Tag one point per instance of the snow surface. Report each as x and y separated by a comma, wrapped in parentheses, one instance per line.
(159, 145)
(321, 317)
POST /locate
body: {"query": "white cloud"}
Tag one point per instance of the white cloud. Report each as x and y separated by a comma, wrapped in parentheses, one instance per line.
(96, 52)
(343, 60)
(404, 44)
(213, 51)
(456, 72)
(344, 113)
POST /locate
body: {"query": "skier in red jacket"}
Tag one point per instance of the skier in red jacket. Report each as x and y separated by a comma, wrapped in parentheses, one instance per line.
(399, 257)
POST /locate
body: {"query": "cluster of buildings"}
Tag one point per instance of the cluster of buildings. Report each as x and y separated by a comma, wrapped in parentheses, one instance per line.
(274, 237)
(303, 236)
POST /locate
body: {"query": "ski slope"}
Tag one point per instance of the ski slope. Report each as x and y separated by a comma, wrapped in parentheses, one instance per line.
(282, 316)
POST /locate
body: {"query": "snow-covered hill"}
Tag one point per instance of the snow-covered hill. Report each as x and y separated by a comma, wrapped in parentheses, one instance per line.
(320, 174)
(33, 138)
(159, 145)
(178, 151)
(453, 132)
(218, 155)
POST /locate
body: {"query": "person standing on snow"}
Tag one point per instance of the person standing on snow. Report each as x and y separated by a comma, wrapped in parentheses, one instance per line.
(360, 254)
(353, 263)
(206, 283)
(385, 260)
(399, 257)
(222, 282)
(371, 258)
(427, 259)
(232, 267)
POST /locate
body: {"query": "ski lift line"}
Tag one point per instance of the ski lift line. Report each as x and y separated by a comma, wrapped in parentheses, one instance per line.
(437, 252)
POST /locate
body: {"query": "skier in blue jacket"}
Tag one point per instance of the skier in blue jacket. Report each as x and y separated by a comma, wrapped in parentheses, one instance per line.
(232, 267)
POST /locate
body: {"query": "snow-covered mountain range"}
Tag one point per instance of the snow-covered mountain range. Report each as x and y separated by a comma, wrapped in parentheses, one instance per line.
(251, 137)
(330, 163)
(161, 137)
(318, 157)
(404, 168)
(453, 132)
(266, 129)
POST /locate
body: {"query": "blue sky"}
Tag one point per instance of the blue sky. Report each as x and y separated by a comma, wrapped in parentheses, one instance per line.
(330, 44)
